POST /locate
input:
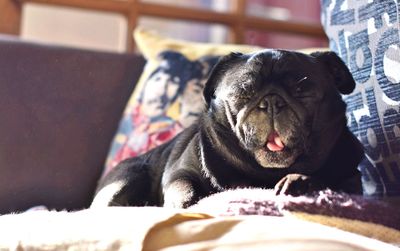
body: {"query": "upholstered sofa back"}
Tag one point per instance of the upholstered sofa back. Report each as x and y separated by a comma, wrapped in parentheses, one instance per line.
(59, 109)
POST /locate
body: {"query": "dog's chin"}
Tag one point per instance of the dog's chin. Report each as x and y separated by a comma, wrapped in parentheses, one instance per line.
(278, 159)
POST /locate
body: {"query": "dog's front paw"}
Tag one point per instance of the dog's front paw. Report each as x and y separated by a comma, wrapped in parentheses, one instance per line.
(296, 185)
(179, 194)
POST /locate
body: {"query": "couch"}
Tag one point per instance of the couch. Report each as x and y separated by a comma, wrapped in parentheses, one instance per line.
(60, 109)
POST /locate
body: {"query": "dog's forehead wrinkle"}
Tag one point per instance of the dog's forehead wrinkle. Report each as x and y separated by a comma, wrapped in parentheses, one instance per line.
(255, 62)
(263, 60)
(242, 82)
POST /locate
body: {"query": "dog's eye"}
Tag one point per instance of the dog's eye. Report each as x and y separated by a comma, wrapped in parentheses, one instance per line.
(239, 99)
(301, 85)
(242, 95)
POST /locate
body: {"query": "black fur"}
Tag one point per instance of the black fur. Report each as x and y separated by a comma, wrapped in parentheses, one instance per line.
(248, 97)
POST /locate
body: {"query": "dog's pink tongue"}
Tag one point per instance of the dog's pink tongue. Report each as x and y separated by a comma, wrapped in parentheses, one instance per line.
(274, 142)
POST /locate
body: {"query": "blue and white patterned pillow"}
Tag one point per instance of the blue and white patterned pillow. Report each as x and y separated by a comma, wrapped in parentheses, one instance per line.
(366, 35)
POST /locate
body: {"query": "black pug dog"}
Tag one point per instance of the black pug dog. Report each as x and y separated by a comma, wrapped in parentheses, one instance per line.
(273, 119)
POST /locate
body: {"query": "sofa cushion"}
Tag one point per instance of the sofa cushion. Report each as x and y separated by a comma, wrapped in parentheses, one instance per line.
(59, 110)
(366, 34)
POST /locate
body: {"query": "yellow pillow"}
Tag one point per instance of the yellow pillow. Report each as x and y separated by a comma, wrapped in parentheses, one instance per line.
(151, 44)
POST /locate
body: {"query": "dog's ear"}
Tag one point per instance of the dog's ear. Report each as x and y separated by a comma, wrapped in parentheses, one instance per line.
(343, 79)
(213, 79)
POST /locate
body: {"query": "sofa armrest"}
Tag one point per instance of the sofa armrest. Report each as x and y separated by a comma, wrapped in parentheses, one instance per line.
(59, 109)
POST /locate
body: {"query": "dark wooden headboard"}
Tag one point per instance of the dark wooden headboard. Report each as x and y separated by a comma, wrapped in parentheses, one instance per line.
(236, 20)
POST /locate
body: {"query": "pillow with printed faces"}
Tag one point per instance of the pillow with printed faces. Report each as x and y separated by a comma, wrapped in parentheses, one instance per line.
(170, 101)
(168, 96)
(366, 35)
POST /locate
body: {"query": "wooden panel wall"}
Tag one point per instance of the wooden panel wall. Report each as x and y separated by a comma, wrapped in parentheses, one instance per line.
(10, 17)
(236, 20)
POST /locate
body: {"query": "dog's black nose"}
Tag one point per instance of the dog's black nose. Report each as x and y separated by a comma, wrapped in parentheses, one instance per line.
(272, 101)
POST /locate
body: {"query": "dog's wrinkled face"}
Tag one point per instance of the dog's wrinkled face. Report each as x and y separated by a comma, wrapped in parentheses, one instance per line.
(280, 103)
